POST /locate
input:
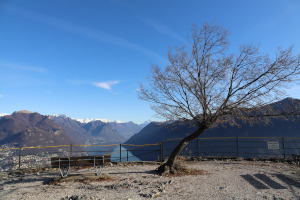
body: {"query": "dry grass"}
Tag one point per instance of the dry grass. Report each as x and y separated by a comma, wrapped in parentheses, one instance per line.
(180, 169)
(83, 178)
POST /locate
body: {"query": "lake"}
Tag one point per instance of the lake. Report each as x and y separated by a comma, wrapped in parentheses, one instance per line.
(115, 150)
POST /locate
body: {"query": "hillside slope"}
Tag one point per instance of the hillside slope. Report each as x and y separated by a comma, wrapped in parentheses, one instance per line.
(26, 128)
(277, 127)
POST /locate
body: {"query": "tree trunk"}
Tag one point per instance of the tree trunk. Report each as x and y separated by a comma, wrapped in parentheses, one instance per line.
(168, 166)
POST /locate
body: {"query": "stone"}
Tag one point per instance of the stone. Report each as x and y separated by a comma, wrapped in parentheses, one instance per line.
(146, 195)
(74, 197)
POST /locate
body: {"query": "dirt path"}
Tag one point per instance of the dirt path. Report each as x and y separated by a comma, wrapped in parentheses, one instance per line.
(223, 180)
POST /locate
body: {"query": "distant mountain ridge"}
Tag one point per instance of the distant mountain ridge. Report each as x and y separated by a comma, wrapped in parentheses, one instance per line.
(95, 119)
(31, 129)
(146, 123)
(122, 130)
(277, 127)
(27, 128)
(102, 120)
(3, 114)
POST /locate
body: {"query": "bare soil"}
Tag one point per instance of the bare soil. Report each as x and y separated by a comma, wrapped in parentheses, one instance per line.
(217, 180)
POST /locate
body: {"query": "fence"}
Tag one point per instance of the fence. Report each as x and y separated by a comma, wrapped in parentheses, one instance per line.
(258, 147)
(246, 147)
(27, 157)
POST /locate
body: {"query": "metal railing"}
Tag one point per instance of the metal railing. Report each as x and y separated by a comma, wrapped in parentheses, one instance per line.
(246, 147)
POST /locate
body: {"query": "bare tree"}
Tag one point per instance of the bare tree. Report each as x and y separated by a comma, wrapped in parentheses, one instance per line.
(207, 86)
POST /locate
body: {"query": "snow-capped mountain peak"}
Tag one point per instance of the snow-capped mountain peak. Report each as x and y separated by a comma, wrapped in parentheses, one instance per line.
(146, 123)
(3, 114)
(58, 115)
(95, 119)
(85, 121)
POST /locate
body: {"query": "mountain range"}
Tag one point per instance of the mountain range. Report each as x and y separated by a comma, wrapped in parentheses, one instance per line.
(26, 128)
(277, 127)
(156, 132)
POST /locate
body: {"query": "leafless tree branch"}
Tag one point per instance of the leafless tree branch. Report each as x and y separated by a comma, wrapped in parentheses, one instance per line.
(205, 84)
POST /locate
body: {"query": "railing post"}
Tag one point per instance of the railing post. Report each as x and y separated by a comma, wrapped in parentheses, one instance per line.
(283, 148)
(20, 157)
(198, 152)
(237, 147)
(71, 147)
(120, 152)
(162, 151)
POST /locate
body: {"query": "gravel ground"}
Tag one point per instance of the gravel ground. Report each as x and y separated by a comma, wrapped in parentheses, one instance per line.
(223, 180)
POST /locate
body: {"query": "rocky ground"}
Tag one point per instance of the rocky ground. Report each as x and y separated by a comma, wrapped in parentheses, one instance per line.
(219, 180)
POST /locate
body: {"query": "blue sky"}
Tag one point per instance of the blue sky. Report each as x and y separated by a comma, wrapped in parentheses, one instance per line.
(85, 59)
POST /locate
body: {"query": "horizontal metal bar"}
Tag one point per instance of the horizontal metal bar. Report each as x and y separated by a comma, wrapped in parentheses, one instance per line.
(89, 151)
(145, 150)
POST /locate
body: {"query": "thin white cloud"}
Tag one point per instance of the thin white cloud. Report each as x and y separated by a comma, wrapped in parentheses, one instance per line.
(163, 29)
(1, 96)
(96, 35)
(106, 85)
(22, 67)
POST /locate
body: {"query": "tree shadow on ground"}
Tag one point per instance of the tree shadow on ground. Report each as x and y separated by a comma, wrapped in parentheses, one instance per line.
(44, 180)
(288, 180)
(270, 182)
(262, 181)
(254, 182)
